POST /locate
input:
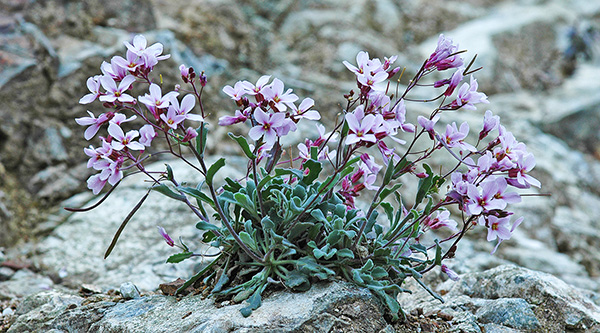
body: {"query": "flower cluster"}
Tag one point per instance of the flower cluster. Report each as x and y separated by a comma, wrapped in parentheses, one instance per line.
(119, 148)
(298, 220)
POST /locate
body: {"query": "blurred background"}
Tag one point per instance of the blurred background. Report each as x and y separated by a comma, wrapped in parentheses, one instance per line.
(541, 62)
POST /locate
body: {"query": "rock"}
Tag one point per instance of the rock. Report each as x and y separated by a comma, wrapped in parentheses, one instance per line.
(140, 253)
(129, 291)
(510, 297)
(6, 273)
(325, 307)
(24, 283)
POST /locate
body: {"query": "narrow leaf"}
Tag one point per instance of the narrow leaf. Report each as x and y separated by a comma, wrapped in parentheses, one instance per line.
(165, 190)
(123, 224)
(243, 144)
(213, 169)
(179, 257)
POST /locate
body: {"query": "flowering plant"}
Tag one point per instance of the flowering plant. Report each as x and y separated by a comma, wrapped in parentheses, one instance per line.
(296, 220)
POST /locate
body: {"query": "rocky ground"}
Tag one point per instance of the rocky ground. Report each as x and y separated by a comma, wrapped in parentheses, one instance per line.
(541, 63)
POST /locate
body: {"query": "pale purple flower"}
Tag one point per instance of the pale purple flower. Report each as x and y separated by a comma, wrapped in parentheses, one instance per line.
(122, 140)
(147, 134)
(97, 155)
(441, 219)
(93, 85)
(274, 93)
(238, 118)
(132, 63)
(95, 183)
(113, 172)
(362, 59)
(93, 123)
(428, 124)
(490, 123)
(166, 236)
(499, 228)
(151, 54)
(369, 162)
(172, 118)
(113, 70)
(361, 128)
(255, 89)
(468, 96)
(519, 176)
(303, 111)
(190, 133)
(400, 114)
(287, 126)
(185, 71)
(444, 56)
(510, 147)
(114, 92)
(507, 197)
(371, 79)
(236, 92)
(266, 126)
(455, 137)
(450, 273)
(484, 200)
(156, 100)
(120, 118)
(452, 82)
(187, 104)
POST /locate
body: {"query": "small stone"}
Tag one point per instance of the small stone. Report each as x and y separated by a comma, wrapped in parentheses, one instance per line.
(6, 273)
(129, 291)
(8, 312)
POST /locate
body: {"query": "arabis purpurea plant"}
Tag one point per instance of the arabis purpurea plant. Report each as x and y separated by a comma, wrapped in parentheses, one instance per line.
(294, 219)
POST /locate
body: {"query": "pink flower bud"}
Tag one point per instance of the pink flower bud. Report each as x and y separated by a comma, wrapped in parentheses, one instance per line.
(166, 236)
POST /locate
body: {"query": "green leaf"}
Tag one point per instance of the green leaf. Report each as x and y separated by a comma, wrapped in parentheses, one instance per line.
(387, 191)
(438, 253)
(169, 172)
(213, 169)
(201, 138)
(314, 168)
(267, 224)
(297, 281)
(345, 253)
(378, 273)
(165, 190)
(223, 280)
(208, 236)
(197, 194)
(179, 257)
(198, 275)
(389, 171)
(248, 240)
(206, 226)
(254, 302)
(243, 144)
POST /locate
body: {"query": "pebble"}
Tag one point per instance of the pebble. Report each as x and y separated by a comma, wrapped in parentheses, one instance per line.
(129, 291)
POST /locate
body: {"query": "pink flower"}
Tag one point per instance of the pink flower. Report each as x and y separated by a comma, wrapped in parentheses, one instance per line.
(362, 59)
(93, 122)
(485, 200)
(361, 128)
(519, 175)
(93, 85)
(256, 89)
(274, 93)
(114, 93)
(190, 133)
(236, 92)
(120, 118)
(498, 228)
(428, 124)
(113, 70)
(166, 236)
(132, 63)
(156, 100)
(147, 134)
(441, 219)
(172, 118)
(455, 137)
(371, 79)
(238, 118)
(150, 55)
(121, 140)
(95, 183)
(450, 273)
(444, 56)
(490, 123)
(266, 126)
(187, 104)
(97, 155)
(468, 96)
(303, 111)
